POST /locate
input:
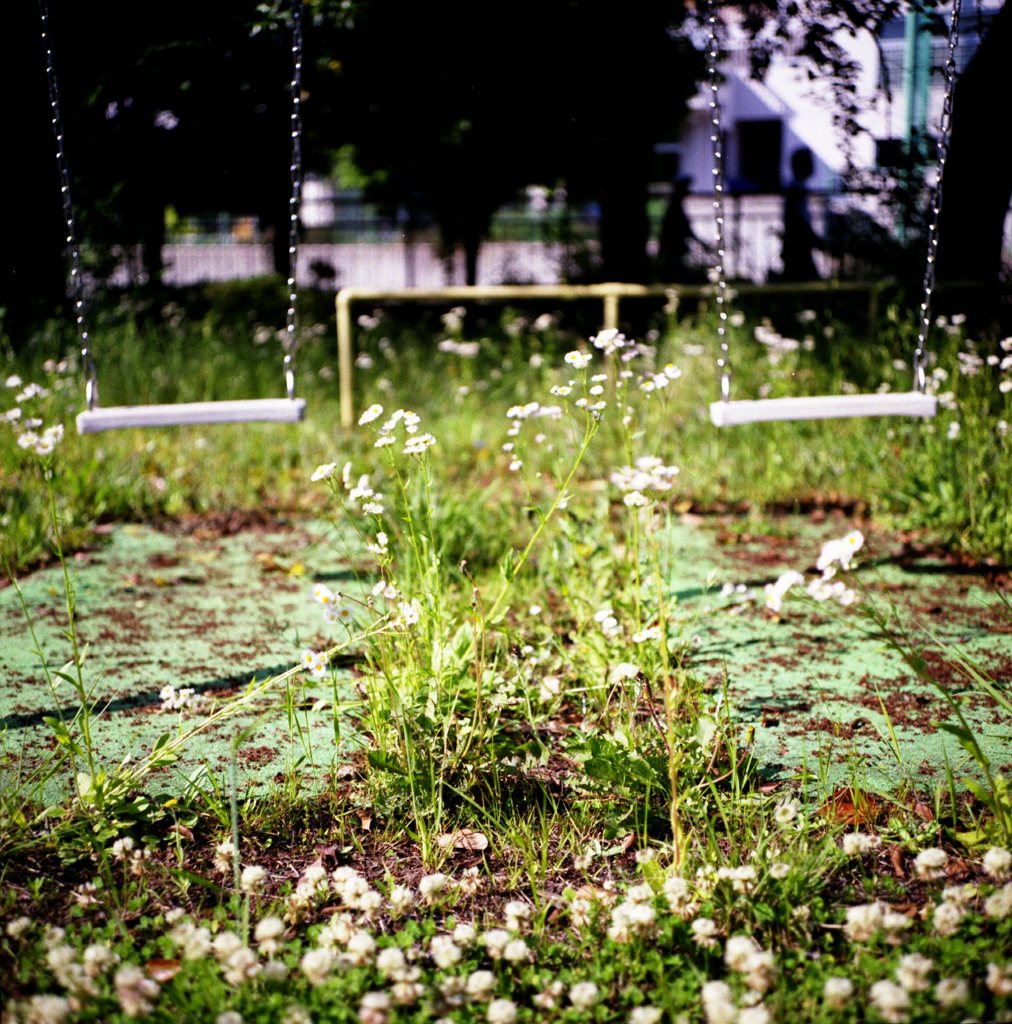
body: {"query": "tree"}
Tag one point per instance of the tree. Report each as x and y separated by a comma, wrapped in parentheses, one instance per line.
(465, 103)
(184, 105)
(977, 186)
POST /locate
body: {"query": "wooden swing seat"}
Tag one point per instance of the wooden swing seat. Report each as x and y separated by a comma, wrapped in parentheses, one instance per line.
(183, 414)
(823, 407)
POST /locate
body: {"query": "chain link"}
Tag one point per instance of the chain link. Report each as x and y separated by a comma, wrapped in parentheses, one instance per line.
(717, 149)
(76, 281)
(716, 141)
(294, 201)
(944, 132)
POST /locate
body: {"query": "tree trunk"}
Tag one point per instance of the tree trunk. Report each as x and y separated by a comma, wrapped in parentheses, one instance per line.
(978, 173)
(625, 228)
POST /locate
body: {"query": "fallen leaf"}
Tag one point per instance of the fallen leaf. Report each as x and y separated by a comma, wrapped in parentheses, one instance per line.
(162, 970)
(896, 856)
(462, 839)
(851, 807)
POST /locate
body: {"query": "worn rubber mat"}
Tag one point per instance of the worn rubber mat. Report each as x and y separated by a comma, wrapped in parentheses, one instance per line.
(211, 608)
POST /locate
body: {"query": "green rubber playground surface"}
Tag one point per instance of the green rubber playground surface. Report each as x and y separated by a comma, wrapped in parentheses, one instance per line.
(210, 610)
(202, 610)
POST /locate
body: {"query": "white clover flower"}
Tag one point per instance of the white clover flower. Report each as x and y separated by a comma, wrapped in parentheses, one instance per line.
(891, 1001)
(741, 878)
(583, 995)
(20, 925)
(718, 1005)
(645, 1015)
(501, 1011)
(400, 901)
(432, 887)
(374, 1008)
(863, 921)
(737, 951)
(516, 951)
(241, 966)
(517, 914)
(930, 864)
(757, 1014)
(999, 904)
(444, 951)
(316, 965)
(224, 945)
(577, 359)
(135, 991)
(837, 992)
(39, 1009)
(13, 381)
(951, 992)
(361, 948)
(391, 962)
(679, 895)
(704, 932)
(229, 1017)
(894, 925)
(252, 878)
(857, 843)
(997, 862)
(999, 979)
(324, 472)
(495, 941)
(122, 848)
(913, 970)
(480, 985)
(947, 918)
(269, 934)
(631, 919)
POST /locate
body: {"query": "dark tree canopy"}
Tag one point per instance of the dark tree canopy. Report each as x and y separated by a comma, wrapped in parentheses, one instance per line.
(464, 103)
(452, 106)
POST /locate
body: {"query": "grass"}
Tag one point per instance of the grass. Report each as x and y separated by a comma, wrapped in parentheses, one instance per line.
(552, 816)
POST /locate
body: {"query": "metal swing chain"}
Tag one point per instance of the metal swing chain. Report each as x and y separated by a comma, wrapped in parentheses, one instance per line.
(920, 355)
(717, 145)
(75, 280)
(295, 177)
(295, 197)
(944, 131)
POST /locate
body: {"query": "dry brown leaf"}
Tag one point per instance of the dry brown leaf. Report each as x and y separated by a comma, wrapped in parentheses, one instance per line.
(162, 970)
(462, 839)
(896, 857)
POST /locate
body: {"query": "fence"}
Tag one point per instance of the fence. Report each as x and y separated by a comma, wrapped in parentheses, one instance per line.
(610, 294)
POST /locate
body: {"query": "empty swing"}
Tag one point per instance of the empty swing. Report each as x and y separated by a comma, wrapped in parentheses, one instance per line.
(94, 418)
(914, 403)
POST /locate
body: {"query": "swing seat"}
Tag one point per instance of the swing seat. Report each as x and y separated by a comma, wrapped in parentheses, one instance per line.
(183, 414)
(823, 407)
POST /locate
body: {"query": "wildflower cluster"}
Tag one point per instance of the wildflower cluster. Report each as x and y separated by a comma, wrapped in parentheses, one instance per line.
(836, 554)
(25, 417)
